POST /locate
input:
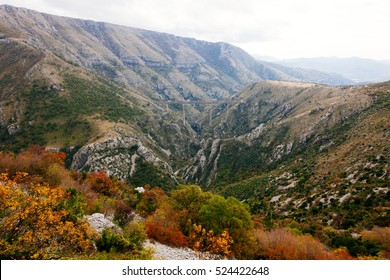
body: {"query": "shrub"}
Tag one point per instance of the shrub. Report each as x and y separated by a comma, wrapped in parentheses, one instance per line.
(150, 201)
(204, 241)
(112, 241)
(74, 204)
(281, 244)
(123, 213)
(53, 174)
(34, 224)
(189, 200)
(163, 227)
(356, 246)
(218, 214)
(101, 183)
(46, 165)
(380, 236)
(135, 232)
(104, 205)
(170, 235)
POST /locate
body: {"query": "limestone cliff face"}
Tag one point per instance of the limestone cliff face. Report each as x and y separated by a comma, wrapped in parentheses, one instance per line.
(204, 166)
(118, 156)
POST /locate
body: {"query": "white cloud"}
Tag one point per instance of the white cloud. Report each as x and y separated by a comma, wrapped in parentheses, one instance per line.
(280, 28)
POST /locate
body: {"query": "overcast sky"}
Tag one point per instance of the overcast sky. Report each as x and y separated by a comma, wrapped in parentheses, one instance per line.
(276, 28)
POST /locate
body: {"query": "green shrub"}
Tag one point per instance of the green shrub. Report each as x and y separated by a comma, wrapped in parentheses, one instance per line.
(356, 247)
(111, 241)
(135, 233)
(75, 204)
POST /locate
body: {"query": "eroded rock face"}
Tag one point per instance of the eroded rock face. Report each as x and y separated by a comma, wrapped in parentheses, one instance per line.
(117, 155)
(206, 158)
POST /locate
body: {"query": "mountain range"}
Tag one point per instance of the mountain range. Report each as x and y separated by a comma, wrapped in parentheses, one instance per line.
(359, 70)
(154, 108)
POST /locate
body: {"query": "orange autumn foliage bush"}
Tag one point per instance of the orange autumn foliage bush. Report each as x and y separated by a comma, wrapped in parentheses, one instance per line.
(163, 227)
(281, 244)
(205, 241)
(34, 225)
(101, 183)
(44, 166)
(342, 254)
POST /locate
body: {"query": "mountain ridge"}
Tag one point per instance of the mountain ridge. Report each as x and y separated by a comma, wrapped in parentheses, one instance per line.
(359, 70)
(132, 56)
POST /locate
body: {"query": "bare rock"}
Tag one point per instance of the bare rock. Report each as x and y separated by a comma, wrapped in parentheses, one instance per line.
(13, 129)
(117, 155)
(99, 222)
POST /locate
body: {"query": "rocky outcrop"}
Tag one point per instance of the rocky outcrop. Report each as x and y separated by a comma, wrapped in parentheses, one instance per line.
(117, 155)
(204, 165)
(3, 119)
(99, 222)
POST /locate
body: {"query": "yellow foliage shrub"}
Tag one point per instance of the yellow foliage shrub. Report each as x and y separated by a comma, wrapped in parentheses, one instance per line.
(205, 241)
(33, 224)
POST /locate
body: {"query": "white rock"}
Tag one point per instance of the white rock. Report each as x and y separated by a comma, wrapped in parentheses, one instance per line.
(13, 129)
(140, 189)
(275, 198)
(99, 222)
(164, 252)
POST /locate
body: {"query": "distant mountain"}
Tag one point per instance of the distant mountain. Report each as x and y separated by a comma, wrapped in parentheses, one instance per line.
(359, 70)
(265, 58)
(310, 75)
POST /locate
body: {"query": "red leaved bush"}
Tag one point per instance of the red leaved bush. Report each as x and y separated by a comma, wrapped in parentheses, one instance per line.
(163, 227)
(123, 213)
(101, 183)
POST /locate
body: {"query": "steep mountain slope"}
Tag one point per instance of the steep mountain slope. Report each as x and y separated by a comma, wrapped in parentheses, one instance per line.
(167, 67)
(302, 151)
(56, 79)
(46, 100)
(271, 119)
